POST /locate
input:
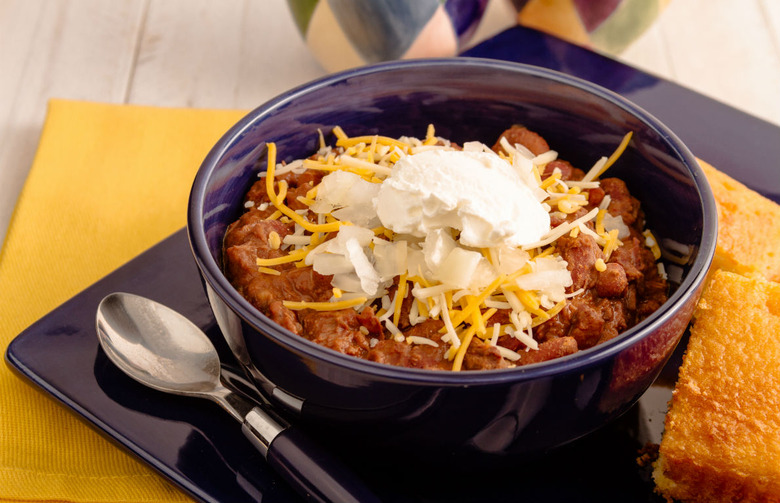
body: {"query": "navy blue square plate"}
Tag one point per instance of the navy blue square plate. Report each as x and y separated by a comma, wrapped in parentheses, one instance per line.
(202, 450)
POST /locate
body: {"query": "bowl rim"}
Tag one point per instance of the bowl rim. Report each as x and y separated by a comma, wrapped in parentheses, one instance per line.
(577, 362)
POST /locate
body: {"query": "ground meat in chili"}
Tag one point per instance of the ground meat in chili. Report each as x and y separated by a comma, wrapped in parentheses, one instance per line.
(614, 297)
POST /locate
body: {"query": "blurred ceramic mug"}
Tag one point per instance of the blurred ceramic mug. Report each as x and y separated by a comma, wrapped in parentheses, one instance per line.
(348, 33)
(608, 26)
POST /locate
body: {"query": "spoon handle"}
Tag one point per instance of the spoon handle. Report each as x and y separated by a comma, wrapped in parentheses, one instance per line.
(309, 468)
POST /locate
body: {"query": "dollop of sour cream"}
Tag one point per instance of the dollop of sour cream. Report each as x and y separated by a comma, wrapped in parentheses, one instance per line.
(475, 191)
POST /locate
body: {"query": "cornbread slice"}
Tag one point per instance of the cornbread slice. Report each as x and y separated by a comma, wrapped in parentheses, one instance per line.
(748, 228)
(721, 439)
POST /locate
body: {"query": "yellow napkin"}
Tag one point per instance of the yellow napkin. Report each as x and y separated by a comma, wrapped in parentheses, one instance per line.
(108, 182)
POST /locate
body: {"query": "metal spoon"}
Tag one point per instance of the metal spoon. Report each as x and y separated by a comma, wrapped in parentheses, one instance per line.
(160, 348)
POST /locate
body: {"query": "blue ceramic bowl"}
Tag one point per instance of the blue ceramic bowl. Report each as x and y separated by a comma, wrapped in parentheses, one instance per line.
(470, 416)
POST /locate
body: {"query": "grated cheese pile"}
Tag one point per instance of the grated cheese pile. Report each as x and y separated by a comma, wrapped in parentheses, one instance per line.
(458, 267)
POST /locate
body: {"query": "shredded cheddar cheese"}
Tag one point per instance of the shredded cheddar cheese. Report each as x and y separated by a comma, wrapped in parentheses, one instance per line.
(284, 259)
(652, 243)
(604, 164)
(269, 270)
(324, 306)
(612, 243)
(461, 353)
(399, 298)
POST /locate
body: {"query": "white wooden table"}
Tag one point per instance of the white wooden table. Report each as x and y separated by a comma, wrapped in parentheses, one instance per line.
(239, 53)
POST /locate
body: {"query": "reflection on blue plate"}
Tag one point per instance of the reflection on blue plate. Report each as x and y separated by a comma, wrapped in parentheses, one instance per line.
(201, 449)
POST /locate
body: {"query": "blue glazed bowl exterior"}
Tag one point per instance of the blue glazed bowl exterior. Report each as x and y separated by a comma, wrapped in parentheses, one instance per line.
(457, 415)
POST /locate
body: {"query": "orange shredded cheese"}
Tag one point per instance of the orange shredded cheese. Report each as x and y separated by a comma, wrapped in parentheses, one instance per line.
(399, 298)
(652, 243)
(600, 168)
(612, 243)
(293, 256)
(461, 353)
(324, 306)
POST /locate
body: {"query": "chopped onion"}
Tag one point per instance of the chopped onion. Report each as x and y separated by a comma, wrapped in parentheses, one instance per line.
(611, 223)
(437, 246)
(459, 267)
(330, 263)
(390, 258)
(348, 197)
(369, 278)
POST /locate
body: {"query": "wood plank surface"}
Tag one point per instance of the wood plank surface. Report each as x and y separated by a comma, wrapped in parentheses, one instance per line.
(233, 54)
(725, 49)
(80, 49)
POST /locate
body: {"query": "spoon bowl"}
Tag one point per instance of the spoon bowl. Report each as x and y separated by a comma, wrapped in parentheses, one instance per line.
(156, 346)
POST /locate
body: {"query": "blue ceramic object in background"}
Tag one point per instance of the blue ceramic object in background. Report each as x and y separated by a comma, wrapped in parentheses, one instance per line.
(456, 416)
(347, 33)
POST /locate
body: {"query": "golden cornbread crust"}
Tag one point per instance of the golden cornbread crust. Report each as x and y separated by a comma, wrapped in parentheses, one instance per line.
(721, 441)
(748, 228)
